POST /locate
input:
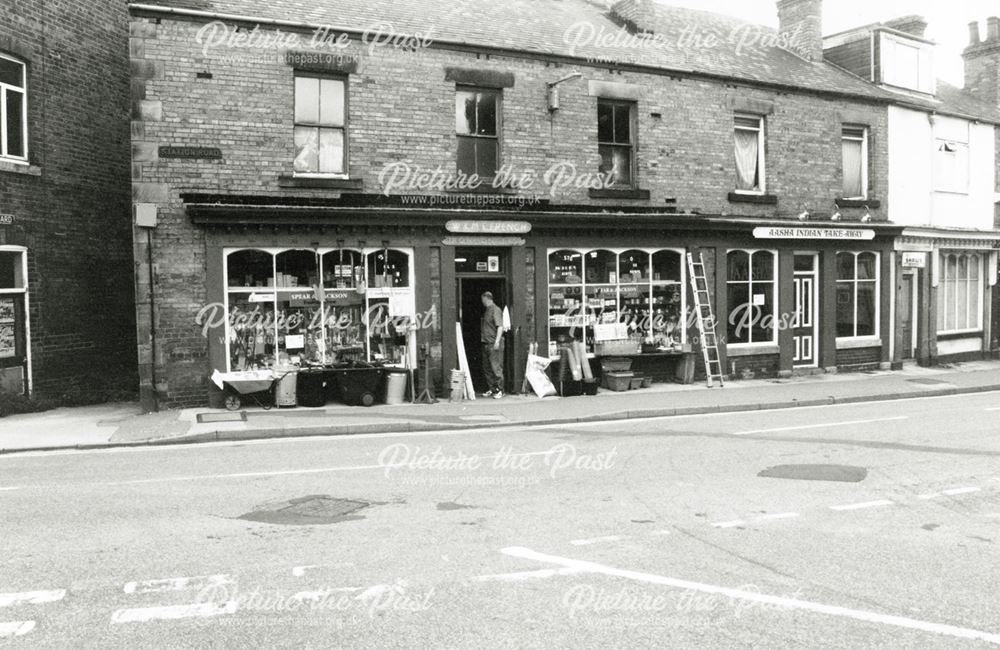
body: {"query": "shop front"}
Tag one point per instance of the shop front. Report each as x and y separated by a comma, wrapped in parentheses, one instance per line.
(15, 356)
(945, 282)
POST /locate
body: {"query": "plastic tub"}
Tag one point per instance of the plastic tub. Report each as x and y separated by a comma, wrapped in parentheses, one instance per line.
(635, 382)
(589, 386)
(619, 381)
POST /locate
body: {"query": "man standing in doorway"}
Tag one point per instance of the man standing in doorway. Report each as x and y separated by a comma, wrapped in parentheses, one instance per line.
(492, 341)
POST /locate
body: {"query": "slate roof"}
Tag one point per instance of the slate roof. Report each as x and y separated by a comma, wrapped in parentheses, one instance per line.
(743, 51)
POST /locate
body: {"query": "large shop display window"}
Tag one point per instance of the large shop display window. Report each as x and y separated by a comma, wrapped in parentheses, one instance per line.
(642, 290)
(960, 291)
(13, 321)
(305, 306)
(751, 296)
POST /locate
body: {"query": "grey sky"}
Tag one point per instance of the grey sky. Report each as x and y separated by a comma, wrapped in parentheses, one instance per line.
(948, 20)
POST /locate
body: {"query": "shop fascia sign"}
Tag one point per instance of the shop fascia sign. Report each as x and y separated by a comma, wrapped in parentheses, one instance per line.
(793, 232)
(914, 260)
(488, 227)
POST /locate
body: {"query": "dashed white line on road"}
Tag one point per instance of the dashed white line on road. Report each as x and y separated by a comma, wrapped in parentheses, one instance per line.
(660, 532)
(526, 575)
(175, 584)
(196, 610)
(863, 505)
(8, 489)
(819, 426)
(960, 490)
(10, 629)
(596, 540)
(729, 524)
(756, 597)
(32, 597)
(322, 594)
(929, 495)
(778, 515)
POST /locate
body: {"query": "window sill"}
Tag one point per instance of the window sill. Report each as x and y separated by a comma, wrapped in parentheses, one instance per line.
(322, 182)
(760, 199)
(874, 204)
(486, 187)
(751, 349)
(859, 343)
(633, 194)
(959, 334)
(953, 192)
(20, 168)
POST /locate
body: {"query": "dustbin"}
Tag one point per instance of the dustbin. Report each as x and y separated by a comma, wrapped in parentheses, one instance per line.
(284, 393)
(310, 389)
(395, 387)
(357, 384)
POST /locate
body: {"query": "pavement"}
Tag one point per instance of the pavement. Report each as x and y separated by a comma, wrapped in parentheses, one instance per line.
(852, 525)
(121, 425)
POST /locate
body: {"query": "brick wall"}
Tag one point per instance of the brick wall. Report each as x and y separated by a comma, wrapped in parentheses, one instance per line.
(402, 110)
(859, 359)
(72, 204)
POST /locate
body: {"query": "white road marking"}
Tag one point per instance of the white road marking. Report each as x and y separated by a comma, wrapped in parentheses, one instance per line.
(862, 506)
(739, 594)
(995, 408)
(596, 540)
(960, 490)
(299, 571)
(729, 524)
(32, 597)
(929, 495)
(11, 629)
(526, 575)
(8, 489)
(196, 610)
(660, 532)
(176, 584)
(320, 594)
(822, 425)
(778, 515)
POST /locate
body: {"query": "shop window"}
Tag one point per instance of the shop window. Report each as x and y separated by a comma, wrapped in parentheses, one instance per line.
(854, 145)
(252, 333)
(857, 295)
(320, 125)
(751, 296)
(604, 287)
(13, 323)
(12, 270)
(477, 127)
(749, 148)
(615, 141)
(296, 268)
(343, 269)
(13, 109)
(389, 268)
(960, 290)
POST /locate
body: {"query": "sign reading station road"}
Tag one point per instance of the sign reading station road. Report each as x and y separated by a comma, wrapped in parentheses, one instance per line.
(790, 232)
(488, 227)
(191, 153)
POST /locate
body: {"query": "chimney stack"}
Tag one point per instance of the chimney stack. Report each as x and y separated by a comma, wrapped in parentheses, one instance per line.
(982, 62)
(636, 14)
(913, 25)
(801, 21)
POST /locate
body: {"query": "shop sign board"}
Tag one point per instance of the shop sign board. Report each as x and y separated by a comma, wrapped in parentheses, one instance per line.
(914, 260)
(488, 227)
(6, 219)
(499, 242)
(793, 232)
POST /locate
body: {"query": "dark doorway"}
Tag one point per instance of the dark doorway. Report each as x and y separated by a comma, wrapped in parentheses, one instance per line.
(470, 305)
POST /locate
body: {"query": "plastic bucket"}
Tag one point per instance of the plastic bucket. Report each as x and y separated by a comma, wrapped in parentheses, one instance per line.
(395, 387)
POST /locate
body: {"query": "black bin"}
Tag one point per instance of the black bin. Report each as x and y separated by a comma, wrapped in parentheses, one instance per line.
(310, 390)
(358, 385)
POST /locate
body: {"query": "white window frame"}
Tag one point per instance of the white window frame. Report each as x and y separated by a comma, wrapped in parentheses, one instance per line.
(23, 89)
(650, 282)
(371, 292)
(854, 284)
(750, 282)
(960, 152)
(346, 159)
(23, 290)
(942, 289)
(761, 156)
(863, 138)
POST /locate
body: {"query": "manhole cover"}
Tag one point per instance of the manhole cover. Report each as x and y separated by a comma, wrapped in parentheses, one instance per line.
(925, 380)
(307, 510)
(222, 417)
(843, 473)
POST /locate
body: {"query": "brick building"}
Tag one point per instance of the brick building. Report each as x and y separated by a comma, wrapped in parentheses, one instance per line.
(290, 160)
(67, 316)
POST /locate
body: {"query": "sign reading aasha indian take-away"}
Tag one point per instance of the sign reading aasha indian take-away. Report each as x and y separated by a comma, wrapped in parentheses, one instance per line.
(791, 232)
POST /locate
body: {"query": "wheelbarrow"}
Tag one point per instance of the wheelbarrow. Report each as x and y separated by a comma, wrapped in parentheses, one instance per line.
(258, 390)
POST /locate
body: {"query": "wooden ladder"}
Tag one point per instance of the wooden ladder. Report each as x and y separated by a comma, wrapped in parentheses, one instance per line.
(706, 320)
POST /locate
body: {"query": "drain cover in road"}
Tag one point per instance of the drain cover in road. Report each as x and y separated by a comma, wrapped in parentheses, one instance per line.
(241, 416)
(842, 473)
(308, 510)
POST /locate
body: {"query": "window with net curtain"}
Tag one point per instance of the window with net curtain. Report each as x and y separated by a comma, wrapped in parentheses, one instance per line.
(615, 141)
(960, 292)
(854, 143)
(749, 130)
(320, 125)
(857, 294)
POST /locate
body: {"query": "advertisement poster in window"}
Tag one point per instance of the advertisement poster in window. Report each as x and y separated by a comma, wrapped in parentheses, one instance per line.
(6, 310)
(8, 342)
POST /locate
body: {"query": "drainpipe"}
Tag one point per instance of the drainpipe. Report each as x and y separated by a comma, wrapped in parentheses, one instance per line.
(145, 219)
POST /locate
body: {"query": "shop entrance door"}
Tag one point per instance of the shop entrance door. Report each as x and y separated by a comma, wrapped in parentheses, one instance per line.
(470, 314)
(907, 305)
(805, 324)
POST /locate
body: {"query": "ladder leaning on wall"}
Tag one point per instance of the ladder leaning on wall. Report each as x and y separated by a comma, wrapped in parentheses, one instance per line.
(706, 320)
